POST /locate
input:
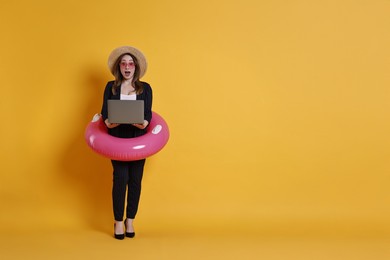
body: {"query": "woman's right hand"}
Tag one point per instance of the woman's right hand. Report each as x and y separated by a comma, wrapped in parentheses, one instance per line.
(109, 125)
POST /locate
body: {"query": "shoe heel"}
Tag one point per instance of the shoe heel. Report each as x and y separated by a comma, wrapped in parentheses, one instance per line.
(118, 236)
(129, 234)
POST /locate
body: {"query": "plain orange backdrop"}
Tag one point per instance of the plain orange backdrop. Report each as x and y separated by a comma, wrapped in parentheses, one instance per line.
(278, 111)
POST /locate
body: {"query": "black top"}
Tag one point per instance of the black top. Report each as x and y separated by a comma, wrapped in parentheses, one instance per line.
(128, 130)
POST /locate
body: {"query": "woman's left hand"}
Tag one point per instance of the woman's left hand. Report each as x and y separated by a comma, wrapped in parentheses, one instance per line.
(142, 126)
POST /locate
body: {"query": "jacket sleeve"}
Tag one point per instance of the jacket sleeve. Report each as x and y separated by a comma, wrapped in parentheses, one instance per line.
(148, 102)
(106, 96)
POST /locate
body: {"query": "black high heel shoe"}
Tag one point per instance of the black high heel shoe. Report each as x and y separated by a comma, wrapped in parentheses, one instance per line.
(129, 234)
(118, 236)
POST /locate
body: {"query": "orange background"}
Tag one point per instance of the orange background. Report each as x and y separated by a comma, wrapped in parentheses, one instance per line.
(279, 119)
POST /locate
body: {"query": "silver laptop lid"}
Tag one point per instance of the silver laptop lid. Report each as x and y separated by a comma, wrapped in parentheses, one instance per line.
(125, 111)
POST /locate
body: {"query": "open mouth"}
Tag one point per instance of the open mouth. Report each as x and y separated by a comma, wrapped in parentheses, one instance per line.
(127, 73)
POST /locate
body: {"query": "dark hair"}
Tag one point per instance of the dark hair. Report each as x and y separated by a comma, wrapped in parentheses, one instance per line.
(137, 84)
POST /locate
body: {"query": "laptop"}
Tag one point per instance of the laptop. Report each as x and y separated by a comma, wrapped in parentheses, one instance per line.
(125, 111)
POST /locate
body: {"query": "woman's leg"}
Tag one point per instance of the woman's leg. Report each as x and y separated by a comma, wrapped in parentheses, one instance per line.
(136, 169)
(120, 180)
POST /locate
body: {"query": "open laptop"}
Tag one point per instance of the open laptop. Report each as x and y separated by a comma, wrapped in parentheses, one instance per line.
(125, 111)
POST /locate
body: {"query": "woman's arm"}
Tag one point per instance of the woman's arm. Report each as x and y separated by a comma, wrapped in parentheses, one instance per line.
(148, 100)
(104, 111)
(106, 96)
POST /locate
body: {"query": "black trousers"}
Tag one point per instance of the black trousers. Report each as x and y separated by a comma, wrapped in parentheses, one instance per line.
(127, 175)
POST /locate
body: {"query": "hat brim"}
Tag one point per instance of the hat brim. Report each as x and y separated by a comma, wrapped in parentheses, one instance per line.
(116, 53)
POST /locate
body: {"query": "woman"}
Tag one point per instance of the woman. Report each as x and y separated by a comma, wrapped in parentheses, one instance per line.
(128, 65)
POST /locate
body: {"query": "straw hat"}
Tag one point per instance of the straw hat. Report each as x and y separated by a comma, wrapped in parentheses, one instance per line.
(133, 51)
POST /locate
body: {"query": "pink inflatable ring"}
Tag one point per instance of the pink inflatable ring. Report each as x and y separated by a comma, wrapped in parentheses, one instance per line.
(127, 149)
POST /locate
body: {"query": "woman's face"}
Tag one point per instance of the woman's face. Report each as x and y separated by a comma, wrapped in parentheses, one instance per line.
(127, 67)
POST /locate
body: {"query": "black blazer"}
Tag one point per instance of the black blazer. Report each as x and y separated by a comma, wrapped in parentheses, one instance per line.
(127, 130)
